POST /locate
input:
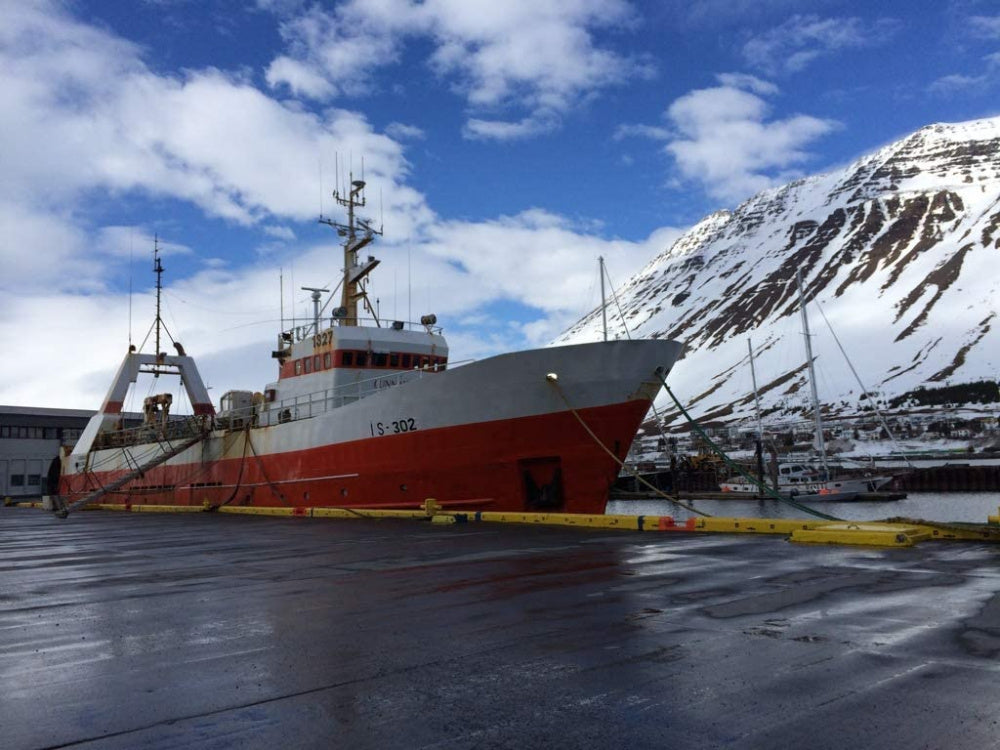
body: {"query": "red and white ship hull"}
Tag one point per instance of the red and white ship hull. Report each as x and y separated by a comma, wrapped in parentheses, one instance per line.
(498, 434)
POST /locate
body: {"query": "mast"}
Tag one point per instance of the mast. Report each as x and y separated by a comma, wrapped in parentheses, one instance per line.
(158, 270)
(759, 448)
(357, 233)
(604, 306)
(756, 396)
(820, 443)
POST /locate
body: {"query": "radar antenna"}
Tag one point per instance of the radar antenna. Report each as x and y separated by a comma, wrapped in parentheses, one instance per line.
(158, 324)
(158, 270)
(357, 233)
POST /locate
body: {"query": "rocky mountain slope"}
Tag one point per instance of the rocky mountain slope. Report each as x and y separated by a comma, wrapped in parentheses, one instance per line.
(900, 252)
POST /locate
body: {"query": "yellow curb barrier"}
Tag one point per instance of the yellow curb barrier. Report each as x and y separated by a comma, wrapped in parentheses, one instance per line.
(862, 534)
(782, 526)
(240, 510)
(363, 513)
(630, 523)
(803, 531)
(165, 509)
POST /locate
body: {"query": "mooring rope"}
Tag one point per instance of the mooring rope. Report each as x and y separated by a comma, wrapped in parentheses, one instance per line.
(728, 461)
(658, 491)
(274, 490)
(739, 469)
(243, 460)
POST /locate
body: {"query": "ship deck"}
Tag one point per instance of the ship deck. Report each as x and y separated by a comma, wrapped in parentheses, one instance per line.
(125, 630)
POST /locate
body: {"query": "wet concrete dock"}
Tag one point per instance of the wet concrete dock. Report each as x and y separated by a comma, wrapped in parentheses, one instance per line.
(208, 631)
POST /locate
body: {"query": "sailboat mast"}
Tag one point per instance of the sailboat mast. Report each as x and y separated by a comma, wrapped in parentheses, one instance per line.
(604, 305)
(820, 443)
(756, 397)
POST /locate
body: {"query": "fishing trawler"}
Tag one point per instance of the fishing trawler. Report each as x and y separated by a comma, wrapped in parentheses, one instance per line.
(367, 413)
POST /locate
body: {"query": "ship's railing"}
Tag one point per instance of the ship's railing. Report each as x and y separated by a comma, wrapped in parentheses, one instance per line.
(304, 406)
(308, 405)
(176, 428)
(304, 331)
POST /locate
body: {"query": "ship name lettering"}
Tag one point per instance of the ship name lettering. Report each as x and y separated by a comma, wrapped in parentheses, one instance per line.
(395, 427)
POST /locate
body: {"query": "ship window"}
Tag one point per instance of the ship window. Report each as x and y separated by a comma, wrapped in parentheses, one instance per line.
(298, 367)
(407, 361)
(347, 358)
(316, 363)
(393, 360)
(425, 362)
(50, 433)
(380, 360)
(5, 431)
(17, 480)
(308, 362)
(34, 480)
(327, 361)
(362, 359)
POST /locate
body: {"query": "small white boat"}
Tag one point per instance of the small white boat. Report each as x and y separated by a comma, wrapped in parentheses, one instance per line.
(800, 479)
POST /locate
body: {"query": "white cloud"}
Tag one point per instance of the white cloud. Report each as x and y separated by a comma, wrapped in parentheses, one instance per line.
(727, 143)
(536, 258)
(749, 82)
(722, 13)
(300, 77)
(134, 242)
(334, 53)
(722, 137)
(800, 40)
(538, 57)
(957, 83)
(653, 132)
(283, 233)
(985, 27)
(500, 130)
(402, 132)
(83, 116)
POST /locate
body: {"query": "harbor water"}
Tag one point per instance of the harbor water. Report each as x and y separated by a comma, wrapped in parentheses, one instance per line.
(971, 507)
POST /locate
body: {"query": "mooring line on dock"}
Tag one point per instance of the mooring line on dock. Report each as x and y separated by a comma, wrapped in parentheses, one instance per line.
(735, 466)
(554, 380)
(726, 459)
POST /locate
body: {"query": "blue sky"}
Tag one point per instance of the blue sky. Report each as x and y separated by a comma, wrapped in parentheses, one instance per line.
(508, 144)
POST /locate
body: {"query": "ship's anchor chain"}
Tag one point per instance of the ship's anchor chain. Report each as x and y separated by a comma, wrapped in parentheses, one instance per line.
(553, 379)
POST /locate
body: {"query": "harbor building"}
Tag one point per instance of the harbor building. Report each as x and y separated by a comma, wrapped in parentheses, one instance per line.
(30, 438)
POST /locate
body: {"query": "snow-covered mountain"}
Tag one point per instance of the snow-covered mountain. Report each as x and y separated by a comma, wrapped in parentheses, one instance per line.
(900, 251)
